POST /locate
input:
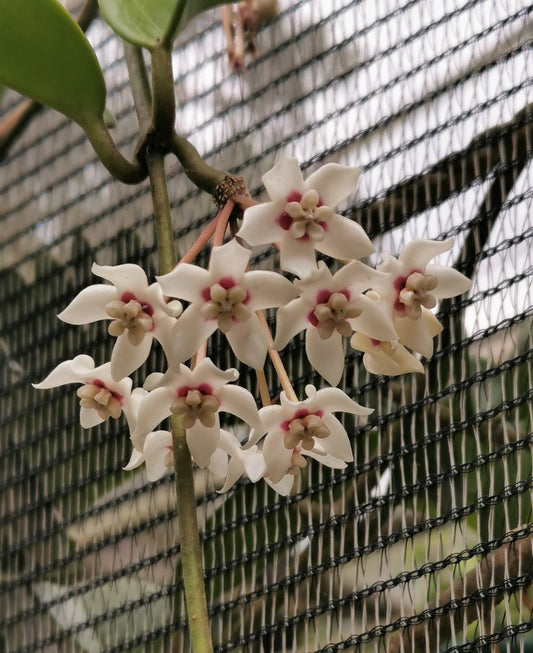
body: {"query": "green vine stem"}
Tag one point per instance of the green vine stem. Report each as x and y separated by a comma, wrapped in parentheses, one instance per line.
(163, 112)
(199, 172)
(163, 101)
(163, 222)
(127, 172)
(191, 555)
(140, 88)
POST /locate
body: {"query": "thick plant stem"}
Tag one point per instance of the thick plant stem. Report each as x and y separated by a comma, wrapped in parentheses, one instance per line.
(191, 556)
(140, 88)
(199, 172)
(191, 553)
(128, 172)
(163, 102)
(163, 223)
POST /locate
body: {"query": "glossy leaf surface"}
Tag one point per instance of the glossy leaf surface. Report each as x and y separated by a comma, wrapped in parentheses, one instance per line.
(145, 23)
(44, 55)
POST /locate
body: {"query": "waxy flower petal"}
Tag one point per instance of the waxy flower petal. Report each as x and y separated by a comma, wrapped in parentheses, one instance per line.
(334, 182)
(416, 286)
(100, 395)
(225, 296)
(326, 355)
(225, 463)
(415, 281)
(136, 459)
(158, 453)
(301, 217)
(381, 357)
(197, 395)
(139, 313)
(332, 306)
(418, 334)
(308, 426)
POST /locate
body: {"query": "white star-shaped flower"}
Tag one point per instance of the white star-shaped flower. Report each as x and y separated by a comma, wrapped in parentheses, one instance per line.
(230, 461)
(298, 462)
(138, 313)
(301, 217)
(329, 308)
(157, 454)
(306, 427)
(197, 395)
(384, 357)
(416, 285)
(227, 462)
(225, 296)
(100, 395)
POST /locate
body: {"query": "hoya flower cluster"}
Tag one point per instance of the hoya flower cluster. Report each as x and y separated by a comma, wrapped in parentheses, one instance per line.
(383, 312)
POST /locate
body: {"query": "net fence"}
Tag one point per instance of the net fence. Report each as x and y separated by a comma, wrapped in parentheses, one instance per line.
(425, 543)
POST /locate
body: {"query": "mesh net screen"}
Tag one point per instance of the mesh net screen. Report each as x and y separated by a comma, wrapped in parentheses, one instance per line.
(425, 542)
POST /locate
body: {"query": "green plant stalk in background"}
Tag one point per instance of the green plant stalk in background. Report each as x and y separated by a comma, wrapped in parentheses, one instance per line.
(45, 56)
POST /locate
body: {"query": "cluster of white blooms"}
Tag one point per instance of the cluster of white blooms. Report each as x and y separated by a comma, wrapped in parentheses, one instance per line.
(385, 312)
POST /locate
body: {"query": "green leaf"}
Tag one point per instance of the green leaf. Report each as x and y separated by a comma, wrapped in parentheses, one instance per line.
(146, 23)
(195, 7)
(45, 56)
(141, 22)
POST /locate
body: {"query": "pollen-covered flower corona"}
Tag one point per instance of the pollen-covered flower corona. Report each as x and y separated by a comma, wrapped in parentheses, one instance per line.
(386, 313)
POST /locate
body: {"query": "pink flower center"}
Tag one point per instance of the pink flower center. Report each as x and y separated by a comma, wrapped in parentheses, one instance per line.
(145, 306)
(226, 301)
(284, 220)
(399, 285)
(132, 315)
(196, 403)
(304, 216)
(414, 292)
(203, 388)
(299, 414)
(303, 428)
(95, 395)
(322, 298)
(113, 393)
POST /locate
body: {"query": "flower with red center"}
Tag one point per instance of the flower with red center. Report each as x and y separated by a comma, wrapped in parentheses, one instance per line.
(416, 287)
(306, 428)
(225, 296)
(100, 395)
(301, 217)
(329, 308)
(138, 313)
(197, 395)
